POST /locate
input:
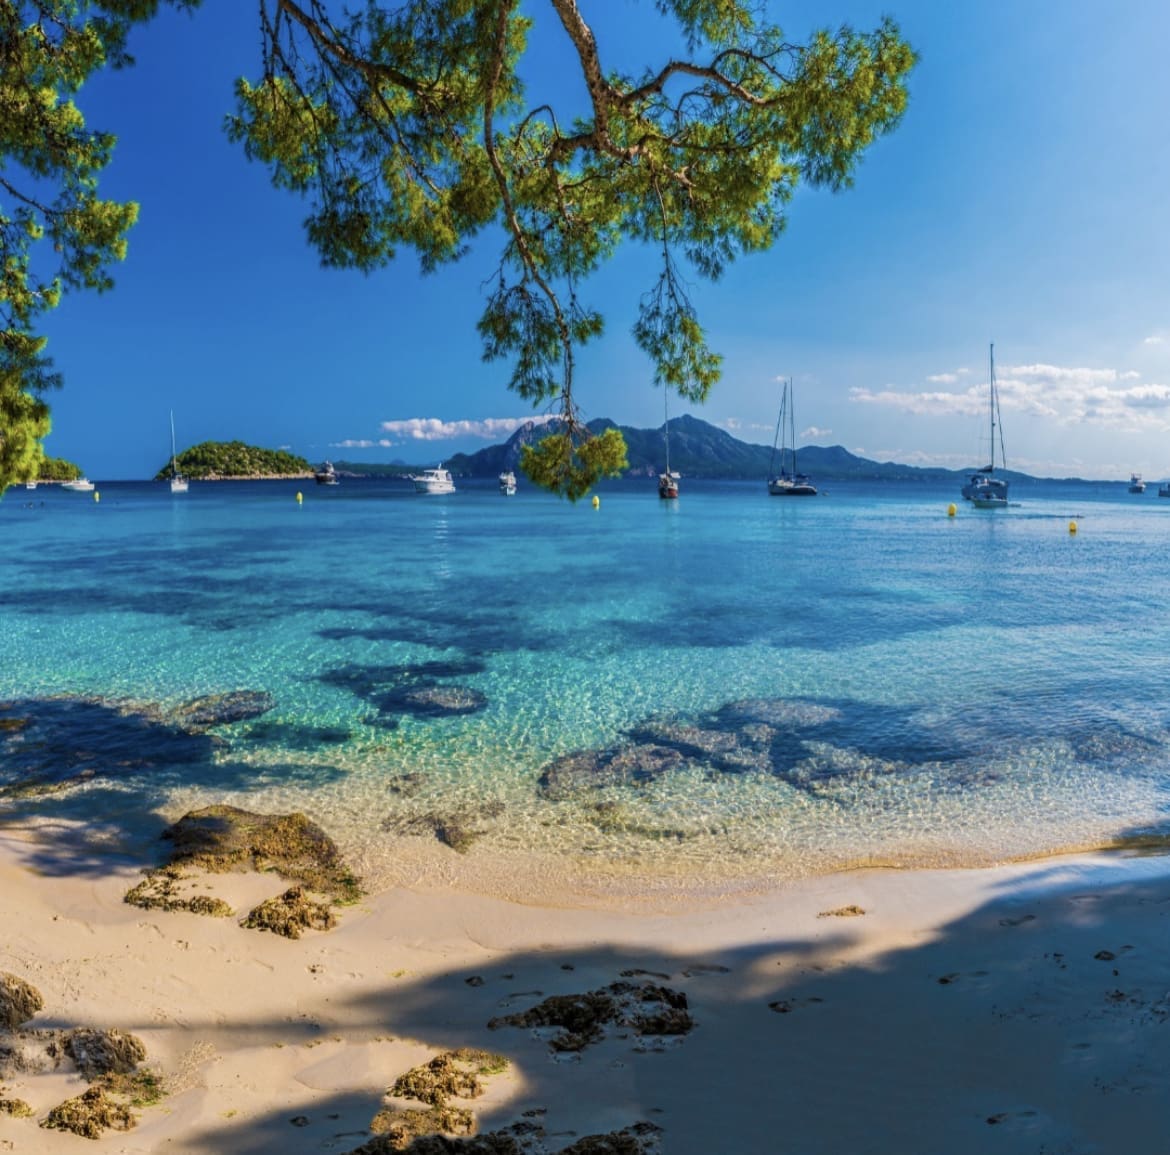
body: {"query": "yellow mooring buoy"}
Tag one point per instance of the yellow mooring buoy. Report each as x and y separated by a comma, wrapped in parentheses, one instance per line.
(300, 497)
(96, 495)
(596, 502)
(952, 509)
(1072, 527)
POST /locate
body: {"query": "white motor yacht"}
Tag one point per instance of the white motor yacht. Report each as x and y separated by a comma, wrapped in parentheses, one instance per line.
(436, 480)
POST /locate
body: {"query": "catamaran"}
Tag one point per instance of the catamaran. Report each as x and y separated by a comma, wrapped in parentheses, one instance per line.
(785, 483)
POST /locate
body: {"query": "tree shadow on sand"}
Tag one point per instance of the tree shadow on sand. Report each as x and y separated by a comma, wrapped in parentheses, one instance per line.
(1037, 1021)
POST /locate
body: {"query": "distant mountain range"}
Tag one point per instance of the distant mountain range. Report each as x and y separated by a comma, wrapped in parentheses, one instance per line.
(698, 449)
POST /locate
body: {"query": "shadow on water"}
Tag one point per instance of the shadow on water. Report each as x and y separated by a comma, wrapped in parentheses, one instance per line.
(104, 770)
(1032, 1023)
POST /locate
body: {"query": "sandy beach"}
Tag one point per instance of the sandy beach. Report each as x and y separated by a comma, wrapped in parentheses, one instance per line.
(1022, 1008)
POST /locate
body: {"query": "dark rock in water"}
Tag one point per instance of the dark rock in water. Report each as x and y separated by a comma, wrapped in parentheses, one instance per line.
(584, 770)
(19, 1001)
(99, 1053)
(222, 709)
(734, 751)
(429, 701)
(457, 829)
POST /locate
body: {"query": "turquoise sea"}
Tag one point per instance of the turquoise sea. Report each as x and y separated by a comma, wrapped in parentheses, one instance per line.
(549, 701)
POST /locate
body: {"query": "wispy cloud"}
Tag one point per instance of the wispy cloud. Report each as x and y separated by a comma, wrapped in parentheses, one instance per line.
(1069, 396)
(736, 426)
(1155, 339)
(815, 431)
(435, 429)
(362, 443)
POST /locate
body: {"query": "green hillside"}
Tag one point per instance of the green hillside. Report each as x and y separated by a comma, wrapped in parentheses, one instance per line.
(216, 460)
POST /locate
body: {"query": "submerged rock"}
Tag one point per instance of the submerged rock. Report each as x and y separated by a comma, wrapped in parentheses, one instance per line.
(222, 709)
(19, 1001)
(586, 770)
(458, 829)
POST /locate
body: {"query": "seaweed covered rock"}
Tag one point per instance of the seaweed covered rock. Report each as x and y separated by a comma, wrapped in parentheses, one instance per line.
(19, 1001)
(224, 838)
(219, 839)
(439, 1125)
(99, 1053)
(647, 1009)
(400, 1129)
(90, 1114)
(290, 914)
(222, 709)
(161, 890)
(450, 1075)
(15, 1108)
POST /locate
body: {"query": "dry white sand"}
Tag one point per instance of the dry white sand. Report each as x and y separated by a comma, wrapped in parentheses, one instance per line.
(1016, 1009)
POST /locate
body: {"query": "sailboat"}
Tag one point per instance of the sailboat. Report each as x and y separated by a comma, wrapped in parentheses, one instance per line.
(178, 481)
(784, 483)
(983, 489)
(667, 481)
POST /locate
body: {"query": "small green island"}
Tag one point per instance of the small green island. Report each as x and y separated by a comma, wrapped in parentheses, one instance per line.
(233, 460)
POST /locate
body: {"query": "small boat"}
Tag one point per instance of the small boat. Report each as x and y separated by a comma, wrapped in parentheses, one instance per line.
(326, 475)
(1164, 490)
(437, 480)
(1136, 484)
(667, 480)
(30, 484)
(787, 483)
(178, 481)
(508, 484)
(78, 485)
(983, 489)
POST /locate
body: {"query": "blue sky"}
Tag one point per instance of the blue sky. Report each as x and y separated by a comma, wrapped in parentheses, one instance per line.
(1022, 201)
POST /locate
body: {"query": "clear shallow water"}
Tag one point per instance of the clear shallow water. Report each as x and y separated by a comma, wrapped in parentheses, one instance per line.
(755, 688)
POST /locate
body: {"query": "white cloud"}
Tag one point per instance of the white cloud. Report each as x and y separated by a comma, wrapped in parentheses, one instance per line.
(815, 431)
(435, 429)
(944, 379)
(1068, 396)
(362, 443)
(1155, 339)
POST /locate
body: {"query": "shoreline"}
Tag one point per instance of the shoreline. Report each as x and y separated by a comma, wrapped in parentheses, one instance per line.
(1019, 1008)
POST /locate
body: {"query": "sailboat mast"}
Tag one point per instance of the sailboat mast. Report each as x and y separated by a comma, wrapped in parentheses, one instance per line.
(666, 425)
(792, 421)
(174, 470)
(991, 400)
